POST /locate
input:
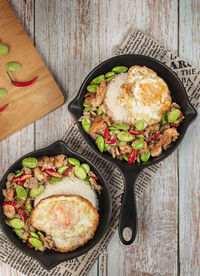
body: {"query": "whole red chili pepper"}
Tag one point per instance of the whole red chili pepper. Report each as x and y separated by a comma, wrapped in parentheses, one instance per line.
(22, 84)
(156, 134)
(21, 178)
(3, 107)
(23, 217)
(68, 170)
(106, 133)
(174, 125)
(12, 203)
(135, 132)
(110, 142)
(132, 156)
(53, 173)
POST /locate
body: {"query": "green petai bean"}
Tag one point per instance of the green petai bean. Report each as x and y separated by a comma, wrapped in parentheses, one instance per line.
(33, 234)
(55, 179)
(92, 88)
(120, 69)
(100, 143)
(3, 49)
(35, 242)
(110, 74)
(121, 126)
(21, 192)
(13, 66)
(140, 125)
(98, 79)
(99, 111)
(73, 161)
(30, 162)
(173, 115)
(86, 104)
(138, 144)
(62, 169)
(86, 167)
(110, 78)
(145, 156)
(86, 109)
(19, 234)
(87, 180)
(86, 124)
(122, 144)
(18, 174)
(125, 136)
(36, 192)
(3, 93)
(80, 172)
(105, 147)
(17, 223)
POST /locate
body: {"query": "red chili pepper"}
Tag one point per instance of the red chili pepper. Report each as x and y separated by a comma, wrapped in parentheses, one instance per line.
(135, 132)
(23, 217)
(91, 82)
(12, 203)
(156, 134)
(3, 107)
(22, 84)
(22, 183)
(48, 177)
(132, 156)
(96, 177)
(174, 125)
(29, 245)
(106, 133)
(110, 142)
(68, 170)
(21, 178)
(53, 173)
(180, 117)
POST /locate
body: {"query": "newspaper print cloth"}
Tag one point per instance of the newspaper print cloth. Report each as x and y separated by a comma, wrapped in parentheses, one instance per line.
(137, 43)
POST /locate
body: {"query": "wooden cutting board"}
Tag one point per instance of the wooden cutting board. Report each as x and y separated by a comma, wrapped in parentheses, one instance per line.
(27, 104)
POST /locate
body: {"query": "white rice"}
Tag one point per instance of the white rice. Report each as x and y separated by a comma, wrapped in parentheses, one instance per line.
(70, 186)
(117, 112)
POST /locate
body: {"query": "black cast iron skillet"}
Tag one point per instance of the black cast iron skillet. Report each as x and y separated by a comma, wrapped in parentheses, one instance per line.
(128, 215)
(49, 258)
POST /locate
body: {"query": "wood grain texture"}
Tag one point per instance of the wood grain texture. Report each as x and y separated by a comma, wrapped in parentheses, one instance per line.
(21, 142)
(189, 160)
(74, 36)
(30, 103)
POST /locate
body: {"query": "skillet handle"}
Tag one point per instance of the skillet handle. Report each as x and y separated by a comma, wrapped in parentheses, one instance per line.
(128, 214)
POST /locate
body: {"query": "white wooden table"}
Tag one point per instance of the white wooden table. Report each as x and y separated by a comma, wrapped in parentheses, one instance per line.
(72, 37)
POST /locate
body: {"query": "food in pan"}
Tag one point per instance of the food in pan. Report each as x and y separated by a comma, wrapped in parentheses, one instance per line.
(131, 114)
(52, 203)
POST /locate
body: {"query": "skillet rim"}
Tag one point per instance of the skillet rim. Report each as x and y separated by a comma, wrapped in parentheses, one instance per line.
(120, 164)
(46, 260)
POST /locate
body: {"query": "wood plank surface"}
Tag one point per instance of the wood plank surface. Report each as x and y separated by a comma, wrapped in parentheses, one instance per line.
(25, 104)
(74, 36)
(189, 160)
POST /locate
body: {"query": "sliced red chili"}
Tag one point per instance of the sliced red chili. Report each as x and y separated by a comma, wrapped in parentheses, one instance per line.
(96, 177)
(23, 217)
(180, 117)
(3, 107)
(48, 177)
(22, 183)
(91, 82)
(156, 134)
(174, 125)
(53, 173)
(68, 170)
(21, 178)
(135, 132)
(22, 84)
(106, 133)
(110, 142)
(29, 245)
(12, 203)
(132, 156)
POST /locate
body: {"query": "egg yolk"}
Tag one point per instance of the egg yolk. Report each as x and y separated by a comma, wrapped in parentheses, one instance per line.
(63, 215)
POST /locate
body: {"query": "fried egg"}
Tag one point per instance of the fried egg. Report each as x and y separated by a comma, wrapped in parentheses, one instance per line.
(138, 95)
(71, 220)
